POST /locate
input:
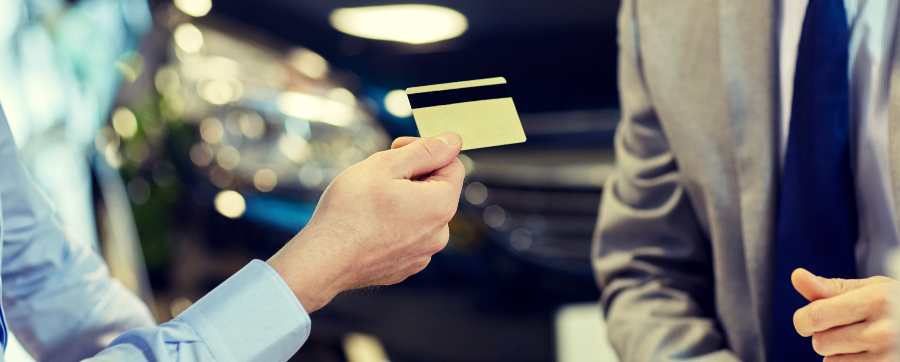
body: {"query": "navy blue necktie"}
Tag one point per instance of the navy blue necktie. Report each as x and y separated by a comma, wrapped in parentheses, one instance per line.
(816, 218)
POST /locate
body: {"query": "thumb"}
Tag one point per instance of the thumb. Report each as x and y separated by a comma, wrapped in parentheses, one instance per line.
(424, 155)
(813, 287)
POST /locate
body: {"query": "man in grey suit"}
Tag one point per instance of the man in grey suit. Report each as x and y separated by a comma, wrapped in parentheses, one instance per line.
(757, 138)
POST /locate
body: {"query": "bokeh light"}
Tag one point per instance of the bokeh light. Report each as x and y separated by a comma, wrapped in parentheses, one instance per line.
(230, 204)
(397, 104)
(124, 122)
(188, 38)
(195, 8)
(265, 180)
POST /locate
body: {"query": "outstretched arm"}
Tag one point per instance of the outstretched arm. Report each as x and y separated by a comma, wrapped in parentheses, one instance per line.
(378, 223)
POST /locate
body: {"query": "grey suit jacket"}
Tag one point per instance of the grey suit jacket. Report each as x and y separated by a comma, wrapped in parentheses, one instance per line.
(682, 248)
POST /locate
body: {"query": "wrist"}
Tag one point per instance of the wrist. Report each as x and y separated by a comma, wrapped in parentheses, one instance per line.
(311, 274)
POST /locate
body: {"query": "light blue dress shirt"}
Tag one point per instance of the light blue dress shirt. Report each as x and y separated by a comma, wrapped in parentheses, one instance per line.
(872, 28)
(62, 304)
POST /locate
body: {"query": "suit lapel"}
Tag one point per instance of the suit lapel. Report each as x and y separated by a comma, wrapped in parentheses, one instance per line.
(894, 121)
(749, 57)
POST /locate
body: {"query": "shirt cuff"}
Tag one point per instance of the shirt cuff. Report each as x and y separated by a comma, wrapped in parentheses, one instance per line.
(252, 316)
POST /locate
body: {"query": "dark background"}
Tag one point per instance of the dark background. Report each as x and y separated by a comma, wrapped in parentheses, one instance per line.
(556, 54)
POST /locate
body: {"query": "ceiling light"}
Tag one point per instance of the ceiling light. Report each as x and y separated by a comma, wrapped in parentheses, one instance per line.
(195, 8)
(405, 23)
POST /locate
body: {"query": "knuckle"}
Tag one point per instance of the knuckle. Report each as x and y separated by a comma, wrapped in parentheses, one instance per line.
(379, 157)
(388, 161)
(421, 264)
(880, 300)
(396, 280)
(814, 318)
(440, 243)
(891, 334)
(456, 176)
(447, 212)
(441, 211)
(398, 277)
(428, 149)
(881, 334)
(435, 248)
(841, 285)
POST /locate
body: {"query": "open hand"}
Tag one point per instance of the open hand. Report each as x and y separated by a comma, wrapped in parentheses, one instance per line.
(848, 319)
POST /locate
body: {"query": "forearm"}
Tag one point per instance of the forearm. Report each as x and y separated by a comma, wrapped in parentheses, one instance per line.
(659, 311)
(654, 274)
(649, 322)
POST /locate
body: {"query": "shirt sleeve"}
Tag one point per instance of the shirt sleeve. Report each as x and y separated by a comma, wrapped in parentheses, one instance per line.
(63, 305)
(58, 296)
(252, 316)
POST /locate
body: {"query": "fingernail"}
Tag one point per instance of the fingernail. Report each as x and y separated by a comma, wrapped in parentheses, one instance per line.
(451, 139)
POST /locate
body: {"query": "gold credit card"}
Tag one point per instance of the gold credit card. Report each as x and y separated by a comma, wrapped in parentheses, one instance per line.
(481, 111)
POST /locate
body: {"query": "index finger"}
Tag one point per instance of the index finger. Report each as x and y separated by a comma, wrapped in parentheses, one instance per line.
(824, 314)
(449, 179)
(453, 173)
(442, 188)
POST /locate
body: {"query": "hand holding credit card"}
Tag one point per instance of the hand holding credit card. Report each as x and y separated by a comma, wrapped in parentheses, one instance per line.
(481, 111)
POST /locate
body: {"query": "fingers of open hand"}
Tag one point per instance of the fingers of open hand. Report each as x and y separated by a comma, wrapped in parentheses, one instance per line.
(814, 287)
(863, 357)
(877, 336)
(851, 307)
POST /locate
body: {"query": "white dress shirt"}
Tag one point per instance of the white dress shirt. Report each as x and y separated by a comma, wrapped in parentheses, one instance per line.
(872, 28)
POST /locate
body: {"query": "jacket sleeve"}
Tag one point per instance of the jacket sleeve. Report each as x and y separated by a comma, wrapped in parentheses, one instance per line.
(650, 256)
